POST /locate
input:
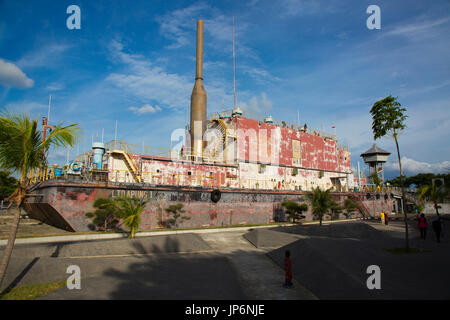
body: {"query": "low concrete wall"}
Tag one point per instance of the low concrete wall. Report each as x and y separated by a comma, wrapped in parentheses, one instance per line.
(429, 208)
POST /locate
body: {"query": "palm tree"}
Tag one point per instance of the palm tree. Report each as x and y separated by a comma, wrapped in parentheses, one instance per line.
(7, 184)
(374, 178)
(389, 118)
(130, 209)
(104, 217)
(350, 206)
(432, 193)
(21, 149)
(321, 202)
(176, 210)
(294, 209)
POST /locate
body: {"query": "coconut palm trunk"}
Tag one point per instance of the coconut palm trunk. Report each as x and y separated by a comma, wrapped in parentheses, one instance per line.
(17, 197)
(436, 207)
(403, 194)
(9, 246)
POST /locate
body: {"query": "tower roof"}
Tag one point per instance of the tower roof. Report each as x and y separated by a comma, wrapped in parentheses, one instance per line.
(375, 150)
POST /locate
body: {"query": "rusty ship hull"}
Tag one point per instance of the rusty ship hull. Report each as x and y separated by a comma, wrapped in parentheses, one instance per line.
(64, 204)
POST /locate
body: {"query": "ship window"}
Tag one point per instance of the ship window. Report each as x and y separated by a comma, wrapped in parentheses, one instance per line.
(262, 168)
(157, 171)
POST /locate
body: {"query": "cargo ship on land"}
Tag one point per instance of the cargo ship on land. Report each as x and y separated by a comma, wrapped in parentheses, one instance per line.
(235, 168)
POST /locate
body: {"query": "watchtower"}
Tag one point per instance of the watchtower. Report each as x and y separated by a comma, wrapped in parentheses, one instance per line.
(375, 157)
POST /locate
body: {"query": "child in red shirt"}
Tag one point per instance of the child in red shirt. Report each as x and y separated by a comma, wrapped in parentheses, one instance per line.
(288, 269)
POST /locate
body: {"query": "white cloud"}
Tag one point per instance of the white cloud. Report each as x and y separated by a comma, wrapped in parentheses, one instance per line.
(145, 109)
(258, 73)
(12, 76)
(54, 86)
(179, 24)
(258, 105)
(46, 56)
(305, 7)
(424, 89)
(412, 167)
(417, 29)
(148, 82)
(27, 106)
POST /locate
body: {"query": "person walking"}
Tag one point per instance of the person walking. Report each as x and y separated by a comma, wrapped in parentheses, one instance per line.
(423, 224)
(288, 269)
(382, 217)
(437, 227)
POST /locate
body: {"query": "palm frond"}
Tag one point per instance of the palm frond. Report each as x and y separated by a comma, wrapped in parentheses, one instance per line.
(62, 136)
(21, 145)
(19, 142)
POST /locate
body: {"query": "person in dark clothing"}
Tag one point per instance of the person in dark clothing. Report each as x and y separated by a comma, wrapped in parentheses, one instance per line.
(423, 224)
(437, 227)
(288, 269)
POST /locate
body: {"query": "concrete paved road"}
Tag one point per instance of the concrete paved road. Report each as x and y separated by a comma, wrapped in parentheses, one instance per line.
(332, 261)
(220, 265)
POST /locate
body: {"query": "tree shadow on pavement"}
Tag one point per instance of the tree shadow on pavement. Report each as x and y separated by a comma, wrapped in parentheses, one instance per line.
(19, 277)
(168, 274)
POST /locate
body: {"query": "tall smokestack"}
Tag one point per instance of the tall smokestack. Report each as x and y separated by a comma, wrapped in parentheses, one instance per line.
(198, 100)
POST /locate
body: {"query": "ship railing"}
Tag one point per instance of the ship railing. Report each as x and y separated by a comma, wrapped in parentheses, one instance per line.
(164, 178)
(39, 175)
(200, 179)
(378, 189)
(203, 179)
(142, 150)
(191, 178)
(280, 123)
(137, 149)
(85, 158)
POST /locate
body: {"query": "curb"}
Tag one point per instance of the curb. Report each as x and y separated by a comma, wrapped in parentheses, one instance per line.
(89, 237)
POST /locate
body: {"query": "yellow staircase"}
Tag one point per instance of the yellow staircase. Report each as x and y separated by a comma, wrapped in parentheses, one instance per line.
(221, 143)
(223, 128)
(132, 165)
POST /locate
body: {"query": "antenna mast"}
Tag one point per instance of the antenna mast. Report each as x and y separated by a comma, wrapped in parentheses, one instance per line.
(234, 71)
(49, 103)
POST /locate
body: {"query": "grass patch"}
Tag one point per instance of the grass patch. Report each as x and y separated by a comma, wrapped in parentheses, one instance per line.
(41, 235)
(325, 221)
(402, 250)
(32, 291)
(219, 227)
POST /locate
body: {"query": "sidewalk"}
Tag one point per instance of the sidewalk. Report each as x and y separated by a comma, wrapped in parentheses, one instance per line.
(104, 236)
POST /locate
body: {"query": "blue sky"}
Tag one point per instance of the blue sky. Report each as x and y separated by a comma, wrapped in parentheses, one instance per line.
(134, 61)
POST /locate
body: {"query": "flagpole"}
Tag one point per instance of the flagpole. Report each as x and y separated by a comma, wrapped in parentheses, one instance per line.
(115, 136)
(359, 178)
(234, 71)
